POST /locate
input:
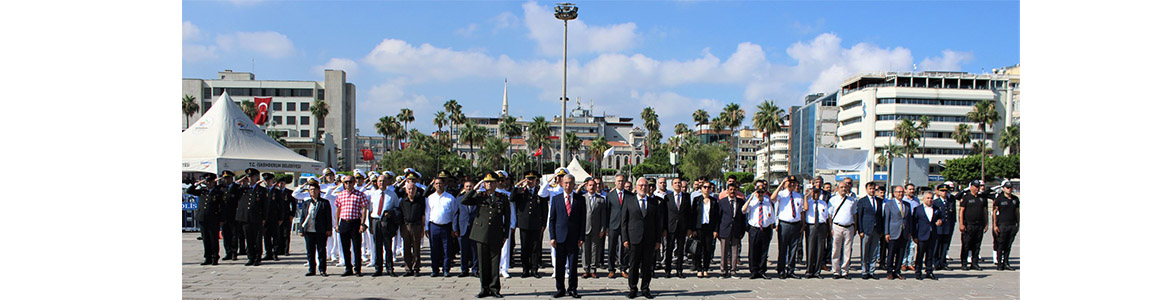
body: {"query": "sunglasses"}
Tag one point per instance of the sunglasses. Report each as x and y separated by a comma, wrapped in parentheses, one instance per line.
(347, 181)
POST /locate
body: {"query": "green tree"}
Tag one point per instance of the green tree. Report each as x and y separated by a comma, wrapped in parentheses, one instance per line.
(319, 110)
(597, 150)
(906, 132)
(471, 134)
(983, 113)
(650, 120)
(1010, 139)
(440, 120)
(572, 145)
(249, 108)
(923, 124)
(189, 109)
(406, 116)
(768, 118)
(703, 161)
(538, 132)
(961, 169)
(385, 128)
(962, 136)
(491, 157)
(700, 116)
(733, 117)
(680, 129)
(278, 136)
(454, 118)
(1004, 167)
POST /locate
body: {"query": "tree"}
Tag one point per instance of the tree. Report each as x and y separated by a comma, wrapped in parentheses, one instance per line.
(472, 134)
(717, 126)
(440, 120)
(319, 109)
(703, 161)
(278, 136)
(538, 132)
(733, 116)
(907, 133)
(385, 127)
(961, 169)
(768, 118)
(983, 113)
(650, 120)
(700, 116)
(189, 109)
(980, 147)
(491, 157)
(680, 129)
(509, 128)
(454, 117)
(597, 150)
(962, 135)
(923, 124)
(406, 116)
(572, 144)
(249, 108)
(1010, 139)
(398, 132)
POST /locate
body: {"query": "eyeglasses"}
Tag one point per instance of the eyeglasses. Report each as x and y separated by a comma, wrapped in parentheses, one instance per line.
(347, 181)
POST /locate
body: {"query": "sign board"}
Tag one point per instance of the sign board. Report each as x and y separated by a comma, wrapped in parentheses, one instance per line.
(656, 176)
(918, 171)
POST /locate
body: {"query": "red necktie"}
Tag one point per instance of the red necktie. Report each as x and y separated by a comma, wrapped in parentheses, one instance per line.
(761, 213)
(620, 198)
(568, 206)
(793, 204)
(381, 199)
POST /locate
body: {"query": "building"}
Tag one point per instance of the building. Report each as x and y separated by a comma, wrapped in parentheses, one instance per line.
(872, 104)
(813, 125)
(330, 140)
(750, 140)
(775, 165)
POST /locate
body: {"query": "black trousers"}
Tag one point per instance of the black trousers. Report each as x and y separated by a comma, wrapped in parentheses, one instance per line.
(315, 250)
(272, 238)
(884, 247)
(897, 249)
(252, 234)
(642, 264)
(787, 240)
(1007, 236)
(351, 244)
(282, 248)
(489, 267)
(567, 254)
(230, 243)
(942, 244)
(241, 238)
(815, 239)
(729, 259)
(468, 259)
(530, 249)
(925, 256)
(972, 239)
(676, 244)
(619, 257)
(706, 249)
(209, 230)
(758, 241)
(383, 245)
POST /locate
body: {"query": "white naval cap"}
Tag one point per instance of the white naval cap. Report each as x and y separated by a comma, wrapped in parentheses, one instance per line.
(327, 171)
(358, 173)
(502, 173)
(372, 174)
(388, 173)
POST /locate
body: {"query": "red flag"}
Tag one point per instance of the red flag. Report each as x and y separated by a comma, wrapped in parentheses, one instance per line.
(367, 154)
(647, 152)
(262, 110)
(539, 151)
(401, 145)
(553, 137)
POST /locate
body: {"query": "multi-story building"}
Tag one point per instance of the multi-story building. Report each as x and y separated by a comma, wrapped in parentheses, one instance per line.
(814, 125)
(749, 142)
(330, 140)
(872, 104)
(773, 165)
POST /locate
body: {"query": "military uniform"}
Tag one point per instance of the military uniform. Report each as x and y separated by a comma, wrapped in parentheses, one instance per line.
(251, 214)
(208, 214)
(489, 229)
(531, 216)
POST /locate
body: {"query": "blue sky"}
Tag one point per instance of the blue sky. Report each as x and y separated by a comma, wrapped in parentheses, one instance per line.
(677, 56)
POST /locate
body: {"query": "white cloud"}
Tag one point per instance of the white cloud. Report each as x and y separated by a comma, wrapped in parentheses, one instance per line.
(468, 31)
(950, 61)
(504, 20)
(548, 33)
(825, 64)
(192, 53)
(348, 65)
(269, 43)
(388, 98)
(190, 32)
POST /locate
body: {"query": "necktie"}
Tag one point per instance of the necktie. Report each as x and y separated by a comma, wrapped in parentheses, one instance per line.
(381, 200)
(816, 213)
(642, 204)
(760, 212)
(568, 205)
(677, 202)
(620, 198)
(792, 203)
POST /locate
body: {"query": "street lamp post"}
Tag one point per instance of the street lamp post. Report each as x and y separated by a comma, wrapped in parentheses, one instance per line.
(565, 12)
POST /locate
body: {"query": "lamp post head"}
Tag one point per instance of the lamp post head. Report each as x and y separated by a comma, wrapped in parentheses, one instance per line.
(566, 11)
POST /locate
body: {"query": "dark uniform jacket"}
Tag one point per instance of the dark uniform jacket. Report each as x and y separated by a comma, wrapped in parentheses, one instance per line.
(210, 202)
(232, 194)
(252, 204)
(677, 216)
(278, 208)
(531, 210)
(493, 218)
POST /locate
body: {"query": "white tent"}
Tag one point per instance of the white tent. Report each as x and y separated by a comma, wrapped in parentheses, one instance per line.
(574, 168)
(226, 139)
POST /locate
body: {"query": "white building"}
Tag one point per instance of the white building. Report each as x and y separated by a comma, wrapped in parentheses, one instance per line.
(289, 111)
(871, 105)
(778, 165)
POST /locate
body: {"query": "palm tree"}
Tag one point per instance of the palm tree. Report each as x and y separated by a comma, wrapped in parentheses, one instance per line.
(406, 116)
(700, 116)
(572, 144)
(962, 135)
(538, 138)
(597, 150)
(680, 129)
(768, 118)
(509, 128)
(385, 128)
(650, 120)
(472, 134)
(923, 123)
(319, 109)
(979, 147)
(189, 109)
(717, 125)
(454, 119)
(983, 113)
(439, 121)
(279, 135)
(249, 108)
(399, 134)
(733, 116)
(452, 106)
(907, 133)
(491, 157)
(1010, 139)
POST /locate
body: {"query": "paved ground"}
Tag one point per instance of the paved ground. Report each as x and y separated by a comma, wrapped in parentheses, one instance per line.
(285, 279)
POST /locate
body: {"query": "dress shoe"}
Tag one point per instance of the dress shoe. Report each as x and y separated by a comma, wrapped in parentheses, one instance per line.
(275, 258)
(574, 294)
(310, 274)
(482, 294)
(347, 273)
(976, 267)
(497, 295)
(255, 263)
(536, 274)
(680, 275)
(890, 277)
(357, 273)
(964, 268)
(931, 276)
(900, 277)
(463, 274)
(559, 294)
(248, 263)
(611, 274)
(267, 257)
(810, 275)
(1005, 267)
(417, 273)
(204, 263)
(625, 275)
(525, 275)
(434, 274)
(918, 276)
(323, 274)
(632, 295)
(377, 273)
(836, 276)
(765, 277)
(647, 294)
(215, 262)
(668, 275)
(755, 276)
(446, 274)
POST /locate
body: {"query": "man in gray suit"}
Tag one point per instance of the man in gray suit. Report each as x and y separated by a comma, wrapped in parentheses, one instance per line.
(897, 230)
(596, 224)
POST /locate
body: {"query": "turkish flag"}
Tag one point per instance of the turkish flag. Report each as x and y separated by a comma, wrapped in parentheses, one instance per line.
(538, 152)
(367, 154)
(262, 110)
(401, 145)
(647, 152)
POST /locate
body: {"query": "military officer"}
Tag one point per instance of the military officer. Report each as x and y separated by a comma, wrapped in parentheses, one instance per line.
(945, 202)
(1006, 217)
(531, 214)
(251, 213)
(211, 197)
(231, 230)
(489, 229)
(274, 216)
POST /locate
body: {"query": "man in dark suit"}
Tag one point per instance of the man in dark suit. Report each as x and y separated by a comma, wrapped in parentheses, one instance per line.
(869, 221)
(489, 229)
(531, 217)
(274, 217)
(463, 218)
(566, 233)
(618, 256)
(897, 217)
(207, 213)
(945, 202)
(678, 209)
(231, 230)
(252, 212)
(641, 226)
(732, 225)
(926, 218)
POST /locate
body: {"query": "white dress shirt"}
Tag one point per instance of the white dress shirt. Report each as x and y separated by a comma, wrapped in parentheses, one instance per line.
(817, 213)
(386, 199)
(789, 206)
(440, 208)
(929, 213)
(760, 210)
(843, 209)
(706, 212)
(549, 191)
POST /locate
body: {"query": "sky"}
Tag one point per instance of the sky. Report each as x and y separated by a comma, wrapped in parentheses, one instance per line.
(675, 56)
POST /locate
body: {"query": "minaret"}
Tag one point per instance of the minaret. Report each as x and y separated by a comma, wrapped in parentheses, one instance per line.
(505, 111)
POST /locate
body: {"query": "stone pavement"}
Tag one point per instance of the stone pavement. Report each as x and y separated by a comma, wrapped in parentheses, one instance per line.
(285, 279)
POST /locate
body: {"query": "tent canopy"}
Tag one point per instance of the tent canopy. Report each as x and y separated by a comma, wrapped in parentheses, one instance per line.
(574, 168)
(226, 139)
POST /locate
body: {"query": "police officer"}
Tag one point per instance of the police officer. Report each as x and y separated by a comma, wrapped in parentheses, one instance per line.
(972, 223)
(1006, 216)
(211, 197)
(251, 213)
(531, 214)
(488, 230)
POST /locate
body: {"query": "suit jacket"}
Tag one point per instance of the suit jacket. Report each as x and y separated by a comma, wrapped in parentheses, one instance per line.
(531, 209)
(616, 207)
(869, 217)
(598, 219)
(732, 222)
(464, 215)
(252, 207)
(677, 216)
(323, 220)
(210, 202)
(897, 222)
(493, 218)
(697, 215)
(923, 228)
(566, 228)
(638, 226)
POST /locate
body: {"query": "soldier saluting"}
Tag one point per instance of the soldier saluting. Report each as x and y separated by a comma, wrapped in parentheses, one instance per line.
(489, 229)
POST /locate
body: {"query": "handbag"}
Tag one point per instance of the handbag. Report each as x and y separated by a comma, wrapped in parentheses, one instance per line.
(391, 219)
(692, 247)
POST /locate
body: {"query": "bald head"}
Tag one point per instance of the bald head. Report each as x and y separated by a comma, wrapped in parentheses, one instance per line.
(642, 187)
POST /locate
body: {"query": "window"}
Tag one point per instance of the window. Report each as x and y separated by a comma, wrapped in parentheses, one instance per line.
(302, 92)
(206, 106)
(851, 121)
(305, 133)
(217, 91)
(291, 120)
(277, 106)
(851, 136)
(934, 118)
(276, 120)
(927, 101)
(852, 105)
(320, 94)
(292, 106)
(304, 120)
(304, 106)
(284, 92)
(207, 93)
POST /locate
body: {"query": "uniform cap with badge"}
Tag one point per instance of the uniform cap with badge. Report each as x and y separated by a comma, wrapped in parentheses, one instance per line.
(531, 175)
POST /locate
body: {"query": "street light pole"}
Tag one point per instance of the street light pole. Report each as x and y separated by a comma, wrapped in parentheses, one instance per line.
(565, 12)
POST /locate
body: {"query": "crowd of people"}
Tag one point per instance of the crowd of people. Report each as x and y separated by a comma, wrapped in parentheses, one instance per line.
(629, 229)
